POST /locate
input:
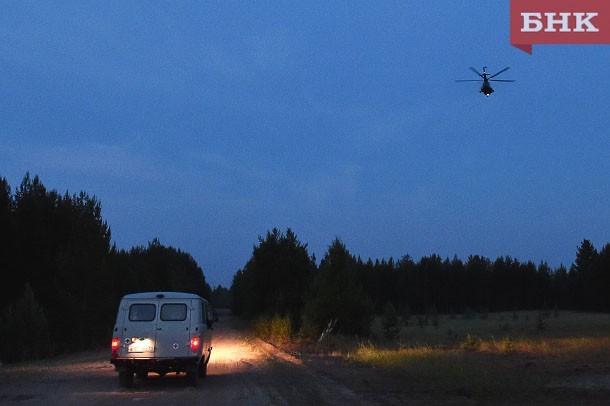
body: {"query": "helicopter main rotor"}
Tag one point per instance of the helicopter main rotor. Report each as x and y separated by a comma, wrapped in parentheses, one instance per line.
(486, 88)
(486, 76)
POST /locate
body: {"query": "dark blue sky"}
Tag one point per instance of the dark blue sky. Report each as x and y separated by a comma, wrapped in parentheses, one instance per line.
(206, 124)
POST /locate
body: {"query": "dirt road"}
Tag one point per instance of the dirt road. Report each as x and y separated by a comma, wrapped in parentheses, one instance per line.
(241, 372)
(245, 371)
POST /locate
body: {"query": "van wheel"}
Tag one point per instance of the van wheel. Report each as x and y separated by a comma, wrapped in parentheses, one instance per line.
(142, 374)
(126, 379)
(192, 376)
(202, 370)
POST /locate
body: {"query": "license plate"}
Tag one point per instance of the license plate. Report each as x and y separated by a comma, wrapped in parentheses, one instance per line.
(140, 347)
(133, 348)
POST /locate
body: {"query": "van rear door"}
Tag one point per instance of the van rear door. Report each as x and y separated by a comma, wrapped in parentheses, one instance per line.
(173, 324)
(139, 328)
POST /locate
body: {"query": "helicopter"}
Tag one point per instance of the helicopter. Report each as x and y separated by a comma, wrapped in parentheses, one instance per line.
(486, 88)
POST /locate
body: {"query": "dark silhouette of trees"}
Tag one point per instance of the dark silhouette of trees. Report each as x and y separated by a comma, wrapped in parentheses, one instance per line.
(346, 290)
(600, 273)
(478, 277)
(157, 268)
(390, 322)
(59, 250)
(221, 297)
(61, 276)
(275, 279)
(25, 330)
(585, 255)
(62, 280)
(590, 277)
(80, 281)
(10, 285)
(453, 286)
(560, 289)
(579, 274)
(337, 296)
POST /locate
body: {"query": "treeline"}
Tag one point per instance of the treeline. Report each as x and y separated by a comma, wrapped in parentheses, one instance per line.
(480, 284)
(61, 279)
(282, 280)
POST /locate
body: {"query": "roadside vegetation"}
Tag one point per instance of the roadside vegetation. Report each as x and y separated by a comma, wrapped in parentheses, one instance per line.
(344, 294)
(482, 330)
(505, 357)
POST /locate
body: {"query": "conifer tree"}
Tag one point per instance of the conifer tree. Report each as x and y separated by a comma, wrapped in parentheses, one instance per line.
(25, 330)
(337, 297)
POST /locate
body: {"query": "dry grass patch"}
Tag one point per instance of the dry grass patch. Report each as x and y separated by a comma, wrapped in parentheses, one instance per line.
(441, 371)
(505, 356)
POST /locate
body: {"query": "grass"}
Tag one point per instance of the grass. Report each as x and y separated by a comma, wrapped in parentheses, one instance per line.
(446, 371)
(503, 357)
(276, 330)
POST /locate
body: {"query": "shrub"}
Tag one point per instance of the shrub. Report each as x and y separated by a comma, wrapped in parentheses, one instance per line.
(276, 330)
(471, 343)
(507, 345)
(389, 321)
(261, 328)
(281, 329)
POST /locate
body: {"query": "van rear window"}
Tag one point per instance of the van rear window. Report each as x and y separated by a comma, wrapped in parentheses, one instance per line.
(173, 312)
(142, 312)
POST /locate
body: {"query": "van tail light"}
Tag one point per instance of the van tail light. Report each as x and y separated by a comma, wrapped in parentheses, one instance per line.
(115, 346)
(195, 344)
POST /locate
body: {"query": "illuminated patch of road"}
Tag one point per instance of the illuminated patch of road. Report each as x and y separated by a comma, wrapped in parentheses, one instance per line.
(232, 355)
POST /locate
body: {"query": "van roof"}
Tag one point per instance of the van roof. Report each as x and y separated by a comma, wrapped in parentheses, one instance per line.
(163, 295)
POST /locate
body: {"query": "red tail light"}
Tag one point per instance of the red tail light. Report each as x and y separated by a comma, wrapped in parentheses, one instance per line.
(115, 344)
(195, 343)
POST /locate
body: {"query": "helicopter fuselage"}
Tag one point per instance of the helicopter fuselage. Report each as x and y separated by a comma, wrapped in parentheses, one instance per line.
(486, 89)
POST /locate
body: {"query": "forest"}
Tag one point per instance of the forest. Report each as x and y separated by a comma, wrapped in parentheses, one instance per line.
(282, 280)
(62, 278)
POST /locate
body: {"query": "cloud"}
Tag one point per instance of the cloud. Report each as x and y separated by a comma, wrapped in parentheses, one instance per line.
(324, 191)
(90, 159)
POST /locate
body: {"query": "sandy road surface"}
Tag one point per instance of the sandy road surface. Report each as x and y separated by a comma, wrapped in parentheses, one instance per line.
(241, 371)
(245, 371)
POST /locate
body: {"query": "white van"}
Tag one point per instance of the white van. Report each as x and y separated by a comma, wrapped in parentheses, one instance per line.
(162, 332)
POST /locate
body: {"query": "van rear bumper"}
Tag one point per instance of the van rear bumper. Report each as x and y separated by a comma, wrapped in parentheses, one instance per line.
(164, 365)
